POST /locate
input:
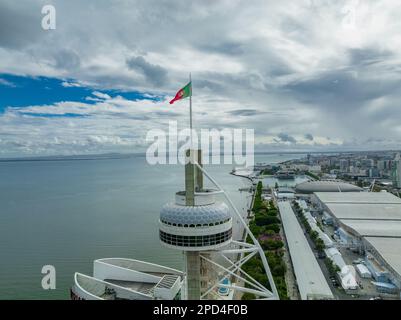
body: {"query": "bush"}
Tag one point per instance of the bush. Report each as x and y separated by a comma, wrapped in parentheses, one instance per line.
(319, 245)
(270, 232)
(255, 229)
(272, 244)
(312, 175)
(266, 222)
(257, 205)
(281, 287)
(314, 235)
(274, 227)
(332, 268)
(279, 270)
(261, 220)
(271, 220)
(248, 296)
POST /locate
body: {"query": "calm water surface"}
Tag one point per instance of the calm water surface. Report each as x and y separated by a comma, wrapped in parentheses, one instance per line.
(68, 213)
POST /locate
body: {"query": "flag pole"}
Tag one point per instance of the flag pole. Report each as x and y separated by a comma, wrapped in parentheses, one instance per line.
(190, 108)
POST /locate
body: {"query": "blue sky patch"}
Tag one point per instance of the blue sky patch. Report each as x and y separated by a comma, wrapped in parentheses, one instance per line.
(19, 91)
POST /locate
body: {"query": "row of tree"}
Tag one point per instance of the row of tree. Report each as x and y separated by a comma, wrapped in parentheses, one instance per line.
(266, 227)
(314, 235)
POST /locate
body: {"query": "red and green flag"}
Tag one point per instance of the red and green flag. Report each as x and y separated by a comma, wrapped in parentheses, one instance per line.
(183, 93)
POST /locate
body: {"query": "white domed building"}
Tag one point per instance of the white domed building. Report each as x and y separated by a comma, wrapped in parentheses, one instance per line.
(206, 226)
(310, 187)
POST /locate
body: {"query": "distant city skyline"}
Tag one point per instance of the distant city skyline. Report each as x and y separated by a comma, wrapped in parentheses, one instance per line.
(311, 75)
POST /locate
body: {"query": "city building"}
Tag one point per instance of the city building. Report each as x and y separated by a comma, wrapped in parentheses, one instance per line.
(396, 171)
(367, 163)
(344, 165)
(383, 164)
(374, 173)
(310, 187)
(371, 223)
(285, 193)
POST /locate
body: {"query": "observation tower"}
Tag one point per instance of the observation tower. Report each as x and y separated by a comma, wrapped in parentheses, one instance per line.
(202, 228)
(195, 223)
(199, 224)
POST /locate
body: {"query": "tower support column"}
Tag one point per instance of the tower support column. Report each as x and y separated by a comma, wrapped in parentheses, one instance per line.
(192, 270)
(190, 178)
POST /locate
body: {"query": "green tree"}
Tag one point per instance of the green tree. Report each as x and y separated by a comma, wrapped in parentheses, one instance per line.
(314, 235)
(279, 269)
(248, 296)
(272, 244)
(269, 232)
(320, 245)
(275, 227)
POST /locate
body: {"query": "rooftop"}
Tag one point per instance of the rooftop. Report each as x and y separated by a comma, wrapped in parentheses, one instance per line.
(364, 211)
(374, 216)
(285, 190)
(188, 215)
(374, 228)
(389, 249)
(358, 197)
(311, 282)
(326, 186)
(128, 279)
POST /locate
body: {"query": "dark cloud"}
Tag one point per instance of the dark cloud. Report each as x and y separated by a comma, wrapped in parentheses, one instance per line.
(245, 112)
(340, 89)
(207, 84)
(67, 60)
(228, 48)
(153, 73)
(285, 137)
(309, 137)
(125, 116)
(368, 56)
(19, 27)
(166, 113)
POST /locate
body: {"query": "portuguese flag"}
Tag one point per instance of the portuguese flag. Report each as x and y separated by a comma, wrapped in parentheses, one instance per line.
(183, 93)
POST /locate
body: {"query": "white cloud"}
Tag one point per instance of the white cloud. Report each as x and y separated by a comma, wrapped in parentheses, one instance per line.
(101, 95)
(4, 82)
(67, 84)
(318, 67)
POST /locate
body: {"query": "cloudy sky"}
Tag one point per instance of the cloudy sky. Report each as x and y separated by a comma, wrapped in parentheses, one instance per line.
(304, 74)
